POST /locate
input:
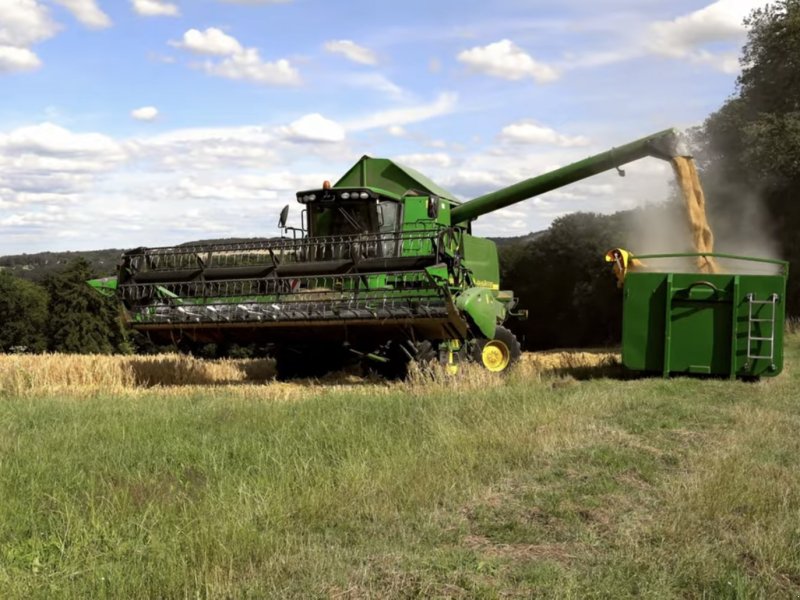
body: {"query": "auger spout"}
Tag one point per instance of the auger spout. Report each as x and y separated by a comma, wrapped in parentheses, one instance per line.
(665, 145)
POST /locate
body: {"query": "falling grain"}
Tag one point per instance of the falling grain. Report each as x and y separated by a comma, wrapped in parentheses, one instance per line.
(694, 199)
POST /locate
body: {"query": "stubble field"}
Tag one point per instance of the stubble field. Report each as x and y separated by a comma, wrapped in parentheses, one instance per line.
(171, 477)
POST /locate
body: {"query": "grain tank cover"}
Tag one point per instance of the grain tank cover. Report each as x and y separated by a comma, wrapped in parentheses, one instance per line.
(390, 177)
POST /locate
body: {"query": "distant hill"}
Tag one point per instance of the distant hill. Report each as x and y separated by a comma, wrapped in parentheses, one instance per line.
(35, 267)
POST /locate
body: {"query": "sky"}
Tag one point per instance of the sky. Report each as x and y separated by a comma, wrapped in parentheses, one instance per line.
(128, 123)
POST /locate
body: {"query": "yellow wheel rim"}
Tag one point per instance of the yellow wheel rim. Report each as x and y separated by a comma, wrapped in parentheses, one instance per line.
(495, 356)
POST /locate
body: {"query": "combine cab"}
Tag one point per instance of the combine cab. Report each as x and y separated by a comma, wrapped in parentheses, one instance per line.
(384, 269)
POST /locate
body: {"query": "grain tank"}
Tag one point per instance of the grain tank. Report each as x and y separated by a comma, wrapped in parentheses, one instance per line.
(384, 269)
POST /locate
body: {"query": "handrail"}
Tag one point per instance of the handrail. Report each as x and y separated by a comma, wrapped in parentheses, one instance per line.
(774, 261)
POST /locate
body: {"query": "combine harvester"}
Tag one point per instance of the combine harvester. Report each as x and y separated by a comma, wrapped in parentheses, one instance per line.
(384, 269)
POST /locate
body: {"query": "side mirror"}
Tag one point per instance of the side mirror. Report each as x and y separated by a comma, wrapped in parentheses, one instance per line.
(283, 217)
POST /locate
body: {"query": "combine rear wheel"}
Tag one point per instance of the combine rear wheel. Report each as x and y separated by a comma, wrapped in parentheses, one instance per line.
(499, 354)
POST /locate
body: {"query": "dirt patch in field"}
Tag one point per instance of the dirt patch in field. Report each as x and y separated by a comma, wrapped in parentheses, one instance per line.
(563, 553)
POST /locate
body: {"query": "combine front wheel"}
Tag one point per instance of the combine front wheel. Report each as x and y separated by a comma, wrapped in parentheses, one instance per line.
(499, 354)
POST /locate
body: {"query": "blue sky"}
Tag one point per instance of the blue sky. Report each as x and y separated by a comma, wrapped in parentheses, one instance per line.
(152, 122)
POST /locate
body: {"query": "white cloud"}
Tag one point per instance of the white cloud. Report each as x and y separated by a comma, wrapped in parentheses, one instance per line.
(17, 59)
(720, 21)
(207, 149)
(248, 65)
(222, 190)
(687, 36)
(252, 134)
(710, 36)
(24, 22)
(145, 113)
(45, 167)
(239, 62)
(234, 180)
(530, 132)
(314, 128)
(377, 82)
(211, 41)
(352, 51)
(397, 131)
(727, 62)
(506, 60)
(594, 59)
(444, 104)
(33, 220)
(471, 182)
(155, 8)
(424, 161)
(87, 12)
(47, 139)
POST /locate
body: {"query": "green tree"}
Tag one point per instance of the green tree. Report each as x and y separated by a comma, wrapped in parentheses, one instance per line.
(564, 283)
(750, 148)
(81, 320)
(23, 315)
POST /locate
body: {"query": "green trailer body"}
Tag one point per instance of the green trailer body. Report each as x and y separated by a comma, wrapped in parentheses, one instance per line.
(722, 324)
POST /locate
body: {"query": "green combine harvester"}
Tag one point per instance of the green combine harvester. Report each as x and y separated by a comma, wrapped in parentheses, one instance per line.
(384, 269)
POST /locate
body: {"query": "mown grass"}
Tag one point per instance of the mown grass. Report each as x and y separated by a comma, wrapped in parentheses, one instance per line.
(537, 485)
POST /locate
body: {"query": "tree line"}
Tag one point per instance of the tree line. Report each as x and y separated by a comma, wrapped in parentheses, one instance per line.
(61, 314)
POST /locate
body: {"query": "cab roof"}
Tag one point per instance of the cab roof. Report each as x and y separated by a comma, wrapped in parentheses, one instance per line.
(390, 177)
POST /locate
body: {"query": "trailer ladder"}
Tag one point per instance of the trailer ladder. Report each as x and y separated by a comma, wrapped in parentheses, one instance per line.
(755, 334)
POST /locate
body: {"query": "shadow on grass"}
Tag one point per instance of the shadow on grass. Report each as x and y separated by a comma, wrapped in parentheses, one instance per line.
(172, 371)
(604, 371)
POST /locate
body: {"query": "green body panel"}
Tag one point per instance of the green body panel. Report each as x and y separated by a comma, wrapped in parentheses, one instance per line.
(665, 145)
(480, 257)
(415, 213)
(699, 323)
(484, 309)
(105, 285)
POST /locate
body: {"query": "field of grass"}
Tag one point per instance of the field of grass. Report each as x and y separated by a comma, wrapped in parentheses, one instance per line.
(115, 484)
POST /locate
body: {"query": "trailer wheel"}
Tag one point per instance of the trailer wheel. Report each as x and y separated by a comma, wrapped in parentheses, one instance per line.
(498, 355)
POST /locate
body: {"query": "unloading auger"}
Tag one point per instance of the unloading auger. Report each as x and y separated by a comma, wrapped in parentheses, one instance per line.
(384, 269)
